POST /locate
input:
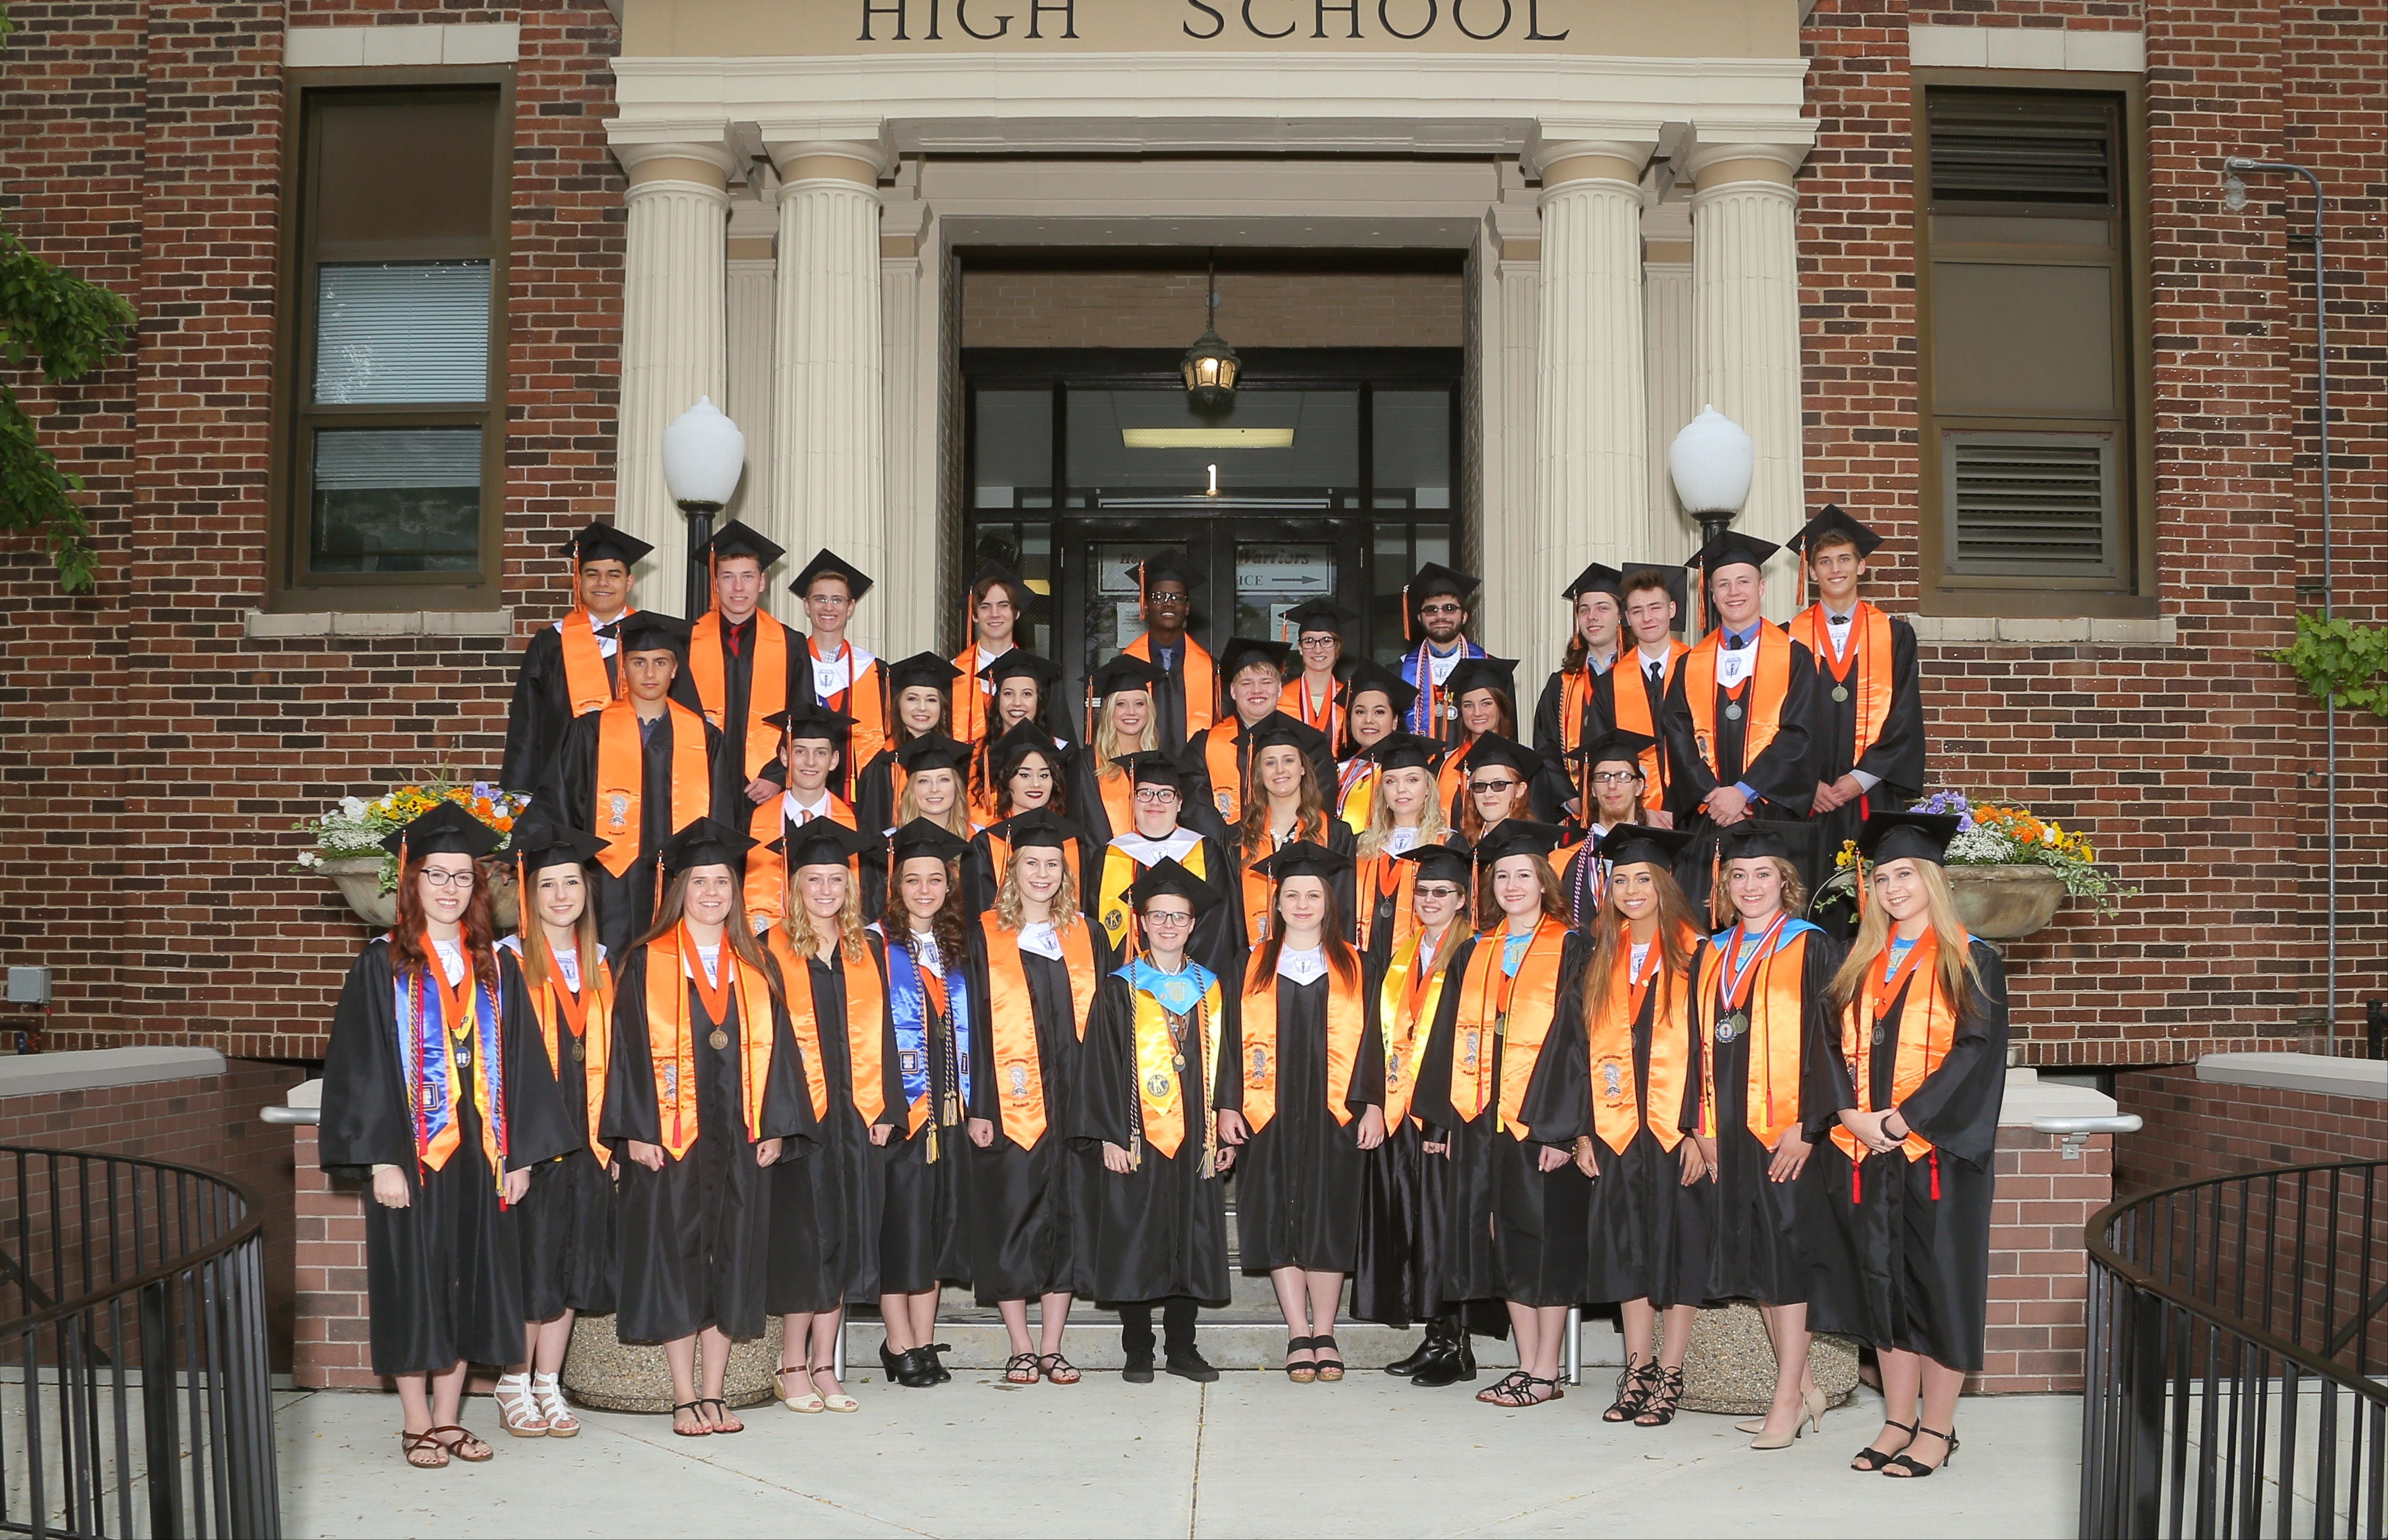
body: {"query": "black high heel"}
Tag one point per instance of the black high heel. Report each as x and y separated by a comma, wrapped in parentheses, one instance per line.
(1635, 1384)
(1661, 1408)
(1903, 1467)
(1871, 1459)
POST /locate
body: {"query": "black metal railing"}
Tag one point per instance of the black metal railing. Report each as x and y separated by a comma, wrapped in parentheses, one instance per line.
(2237, 1335)
(135, 1396)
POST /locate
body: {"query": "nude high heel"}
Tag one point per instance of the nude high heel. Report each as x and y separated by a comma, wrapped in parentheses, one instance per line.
(1811, 1415)
(1812, 1406)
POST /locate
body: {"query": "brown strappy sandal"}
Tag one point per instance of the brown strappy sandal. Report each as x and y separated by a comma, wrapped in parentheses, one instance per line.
(465, 1446)
(411, 1445)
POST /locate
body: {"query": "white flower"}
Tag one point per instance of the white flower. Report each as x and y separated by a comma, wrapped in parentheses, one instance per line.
(306, 858)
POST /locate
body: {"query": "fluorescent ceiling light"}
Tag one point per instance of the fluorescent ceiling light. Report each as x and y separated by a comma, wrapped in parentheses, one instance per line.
(1207, 438)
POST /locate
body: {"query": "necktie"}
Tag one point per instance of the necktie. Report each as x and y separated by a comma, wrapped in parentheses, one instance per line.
(1732, 642)
(1656, 670)
(736, 650)
(1839, 620)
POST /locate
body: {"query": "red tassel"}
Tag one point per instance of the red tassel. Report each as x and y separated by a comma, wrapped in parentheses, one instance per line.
(1935, 1158)
(1856, 1179)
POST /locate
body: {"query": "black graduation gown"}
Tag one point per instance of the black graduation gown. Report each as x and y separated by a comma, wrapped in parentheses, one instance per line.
(1345, 883)
(738, 688)
(1028, 1209)
(1603, 710)
(1218, 940)
(1759, 1245)
(1896, 756)
(443, 1276)
(1511, 1231)
(539, 711)
(1160, 1230)
(874, 792)
(921, 1238)
(625, 905)
(1902, 1268)
(1299, 1181)
(826, 1211)
(1784, 775)
(1644, 1227)
(571, 1257)
(1169, 697)
(695, 1234)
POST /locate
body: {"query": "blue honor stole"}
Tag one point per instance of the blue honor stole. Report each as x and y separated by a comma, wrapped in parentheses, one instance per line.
(925, 1079)
(428, 1048)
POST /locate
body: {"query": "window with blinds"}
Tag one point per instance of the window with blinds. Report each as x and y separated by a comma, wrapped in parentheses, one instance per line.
(2029, 345)
(394, 431)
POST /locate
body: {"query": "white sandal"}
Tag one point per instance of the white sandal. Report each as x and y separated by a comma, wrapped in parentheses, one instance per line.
(808, 1402)
(561, 1423)
(518, 1410)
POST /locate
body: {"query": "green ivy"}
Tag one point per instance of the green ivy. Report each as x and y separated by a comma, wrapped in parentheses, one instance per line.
(2342, 659)
(70, 327)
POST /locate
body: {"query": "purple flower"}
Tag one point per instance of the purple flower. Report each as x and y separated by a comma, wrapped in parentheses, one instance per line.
(1948, 802)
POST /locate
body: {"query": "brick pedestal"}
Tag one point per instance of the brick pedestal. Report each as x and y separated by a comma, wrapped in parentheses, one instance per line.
(2038, 1268)
(329, 1350)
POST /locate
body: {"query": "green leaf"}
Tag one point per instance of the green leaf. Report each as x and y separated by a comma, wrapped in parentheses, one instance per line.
(2337, 659)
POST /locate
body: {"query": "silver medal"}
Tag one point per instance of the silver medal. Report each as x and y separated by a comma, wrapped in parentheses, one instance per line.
(1733, 711)
(1840, 692)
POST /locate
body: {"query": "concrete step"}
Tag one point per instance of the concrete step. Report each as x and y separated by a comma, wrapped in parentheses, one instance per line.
(1230, 1339)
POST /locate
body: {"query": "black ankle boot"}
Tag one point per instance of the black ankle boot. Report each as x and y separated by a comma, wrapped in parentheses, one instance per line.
(1423, 1354)
(1454, 1360)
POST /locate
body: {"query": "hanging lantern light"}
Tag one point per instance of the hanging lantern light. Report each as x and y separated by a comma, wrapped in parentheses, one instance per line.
(1210, 366)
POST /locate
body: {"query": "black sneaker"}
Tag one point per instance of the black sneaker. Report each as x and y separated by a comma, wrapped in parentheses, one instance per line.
(1189, 1364)
(1136, 1370)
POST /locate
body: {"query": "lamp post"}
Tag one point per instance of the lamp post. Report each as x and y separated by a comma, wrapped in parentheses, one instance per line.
(2234, 197)
(704, 454)
(1711, 461)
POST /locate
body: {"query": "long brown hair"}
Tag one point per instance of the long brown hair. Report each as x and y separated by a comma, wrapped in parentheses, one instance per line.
(734, 929)
(1340, 954)
(410, 944)
(1309, 819)
(1489, 911)
(1612, 934)
(1060, 802)
(1960, 978)
(946, 924)
(538, 963)
(1471, 820)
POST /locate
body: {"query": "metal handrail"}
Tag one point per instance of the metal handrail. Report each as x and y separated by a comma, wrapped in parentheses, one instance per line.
(248, 1229)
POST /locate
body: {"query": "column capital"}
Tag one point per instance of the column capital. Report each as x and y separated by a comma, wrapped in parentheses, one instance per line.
(856, 150)
(701, 160)
(1719, 157)
(1560, 151)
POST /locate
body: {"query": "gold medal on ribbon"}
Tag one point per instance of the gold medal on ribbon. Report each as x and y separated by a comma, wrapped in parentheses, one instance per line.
(720, 1040)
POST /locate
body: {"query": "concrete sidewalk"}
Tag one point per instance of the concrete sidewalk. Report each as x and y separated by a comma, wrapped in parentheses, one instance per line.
(1251, 1455)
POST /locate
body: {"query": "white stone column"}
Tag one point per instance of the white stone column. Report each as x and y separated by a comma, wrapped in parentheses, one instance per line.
(1669, 534)
(671, 338)
(910, 267)
(1508, 256)
(1745, 328)
(829, 470)
(1593, 404)
(750, 299)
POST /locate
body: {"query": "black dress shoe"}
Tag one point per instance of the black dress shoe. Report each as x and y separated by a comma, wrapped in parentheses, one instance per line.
(916, 1369)
(1422, 1355)
(1453, 1363)
(1136, 1368)
(1189, 1364)
(890, 1360)
(936, 1365)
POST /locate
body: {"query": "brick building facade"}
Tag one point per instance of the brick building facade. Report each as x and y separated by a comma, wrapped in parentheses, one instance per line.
(160, 735)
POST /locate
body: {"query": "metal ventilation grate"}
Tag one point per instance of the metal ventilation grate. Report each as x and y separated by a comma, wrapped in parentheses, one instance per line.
(2026, 503)
(2022, 149)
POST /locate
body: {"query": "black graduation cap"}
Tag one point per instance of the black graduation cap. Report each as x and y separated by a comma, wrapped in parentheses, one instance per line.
(1166, 564)
(1277, 727)
(1517, 837)
(1126, 672)
(1620, 745)
(1637, 844)
(737, 539)
(1369, 674)
(828, 563)
(447, 829)
(705, 843)
(1594, 579)
(1677, 585)
(825, 843)
(1154, 767)
(1320, 615)
(1492, 748)
(1450, 862)
(1435, 578)
(804, 719)
(1754, 837)
(1907, 837)
(1024, 598)
(1302, 858)
(1241, 653)
(922, 670)
(1038, 825)
(1166, 877)
(933, 751)
(1404, 752)
(1021, 663)
(1831, 521)
(1732, 545)
(646, 631)
(922, 837)
(596, 542)
(1024, 737)
(1469, 674)
(542, 841)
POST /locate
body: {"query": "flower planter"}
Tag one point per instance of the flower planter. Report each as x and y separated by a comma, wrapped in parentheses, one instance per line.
(2004, 903)
(358, 880)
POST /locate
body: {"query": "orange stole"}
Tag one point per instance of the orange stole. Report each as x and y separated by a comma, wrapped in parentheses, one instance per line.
(1408, 998)
(1011, 1020)
(864, 700)
(1619, 1104)
(967, 700)
(999, 856)
(593, 1006)
(1512, 1014)
(1450, 779)
(1770, 681)
(1919, 1048)
(1771, 992)
(1868, 658)
(1629, 692)
(767, 695)
(1380, 877)
(1223, 758)
(622, 778)
(866, 1019)
(671, 1035)
(765, 889)
(586, 685)
(1260, 891)
(1201, 682)
(1346, 1015)
(1294, 701)
(1118, 793)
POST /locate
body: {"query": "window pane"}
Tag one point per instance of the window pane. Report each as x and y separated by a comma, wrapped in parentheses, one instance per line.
(1411, 449)
(1150, 448)
(2018, 340)
(402, 332)
(405, 171)
(1015, 450)
(395, 500)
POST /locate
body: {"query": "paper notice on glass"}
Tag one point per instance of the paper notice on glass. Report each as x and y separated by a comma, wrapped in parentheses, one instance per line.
(1128, 624)
(1290, 572)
